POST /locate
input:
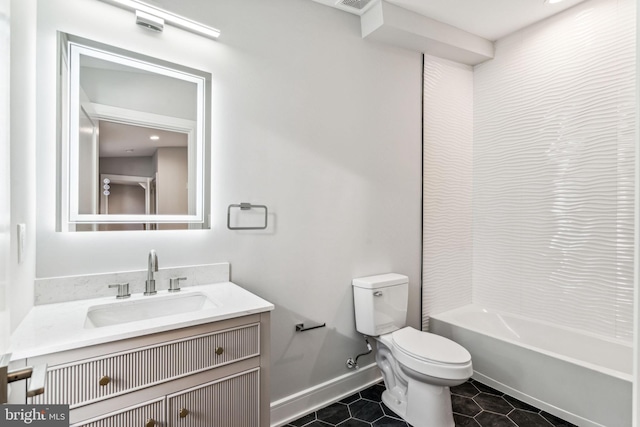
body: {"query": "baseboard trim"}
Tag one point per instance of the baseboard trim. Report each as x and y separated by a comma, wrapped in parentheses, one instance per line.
(313, 398)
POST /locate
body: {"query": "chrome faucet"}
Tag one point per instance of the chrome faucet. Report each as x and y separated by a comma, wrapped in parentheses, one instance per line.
(152, 266)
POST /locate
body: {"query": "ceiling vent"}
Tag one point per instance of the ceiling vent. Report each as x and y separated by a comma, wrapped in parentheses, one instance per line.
(356, 4)
(356, 7)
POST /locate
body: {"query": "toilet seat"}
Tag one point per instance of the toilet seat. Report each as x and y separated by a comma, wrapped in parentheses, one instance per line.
(429, 347)
(430, 354)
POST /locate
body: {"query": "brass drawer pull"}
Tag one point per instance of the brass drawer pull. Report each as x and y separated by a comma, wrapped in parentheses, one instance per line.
(219, 350)
(150, 423)
(183, 412)
(105, 380)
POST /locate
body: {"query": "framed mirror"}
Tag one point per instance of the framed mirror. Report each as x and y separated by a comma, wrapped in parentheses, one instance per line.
(135, 150)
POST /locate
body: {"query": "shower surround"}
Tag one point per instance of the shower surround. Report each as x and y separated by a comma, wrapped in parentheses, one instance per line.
(529, 204)
(553, 171)
(529, 207)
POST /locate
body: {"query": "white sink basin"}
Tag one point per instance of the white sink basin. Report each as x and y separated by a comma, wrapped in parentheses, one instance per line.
(146, 308)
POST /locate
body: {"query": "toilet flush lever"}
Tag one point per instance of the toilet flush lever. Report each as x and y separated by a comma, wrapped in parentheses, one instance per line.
(377, 294)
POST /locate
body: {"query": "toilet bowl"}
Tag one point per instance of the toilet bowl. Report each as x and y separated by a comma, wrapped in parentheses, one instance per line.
(418, 367)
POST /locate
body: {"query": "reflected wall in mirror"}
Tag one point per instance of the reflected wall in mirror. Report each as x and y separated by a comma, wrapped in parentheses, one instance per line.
(134, 140)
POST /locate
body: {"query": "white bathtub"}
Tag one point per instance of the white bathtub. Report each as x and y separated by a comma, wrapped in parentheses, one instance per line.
(583, 378)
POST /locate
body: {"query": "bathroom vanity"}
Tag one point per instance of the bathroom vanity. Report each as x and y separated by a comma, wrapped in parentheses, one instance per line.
(207, 366)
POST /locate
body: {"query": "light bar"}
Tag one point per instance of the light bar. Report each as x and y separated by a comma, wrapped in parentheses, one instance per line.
(169, 18)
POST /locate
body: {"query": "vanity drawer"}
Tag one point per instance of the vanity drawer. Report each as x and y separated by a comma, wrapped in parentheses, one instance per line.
(229, 402)
(149, 414)
(86, 381)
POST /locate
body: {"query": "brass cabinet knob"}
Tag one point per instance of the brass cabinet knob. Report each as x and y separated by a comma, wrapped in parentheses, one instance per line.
(104, 380)
(183, 412)
(219, 350)
(150, 423)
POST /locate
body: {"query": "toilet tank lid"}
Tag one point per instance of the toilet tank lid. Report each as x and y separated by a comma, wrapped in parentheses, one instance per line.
(380, 281)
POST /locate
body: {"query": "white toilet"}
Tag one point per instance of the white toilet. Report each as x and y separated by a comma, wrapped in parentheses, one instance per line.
(418, 367)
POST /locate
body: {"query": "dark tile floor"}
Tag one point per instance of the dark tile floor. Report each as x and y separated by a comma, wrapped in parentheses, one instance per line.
(474, 405)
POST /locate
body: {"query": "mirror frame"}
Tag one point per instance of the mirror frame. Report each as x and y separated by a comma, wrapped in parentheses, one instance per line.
(74, 47)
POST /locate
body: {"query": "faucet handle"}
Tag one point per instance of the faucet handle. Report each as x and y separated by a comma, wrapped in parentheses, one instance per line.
(174, 283)
(123, 290)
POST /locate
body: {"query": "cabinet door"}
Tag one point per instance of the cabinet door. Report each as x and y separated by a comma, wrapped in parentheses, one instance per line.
(229, 402)
(149, 414)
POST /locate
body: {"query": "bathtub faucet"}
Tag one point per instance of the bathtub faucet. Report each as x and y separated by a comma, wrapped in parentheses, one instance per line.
(152, 266)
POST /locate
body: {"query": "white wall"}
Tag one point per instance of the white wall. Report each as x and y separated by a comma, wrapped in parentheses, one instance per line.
(553, 171)
(134, 166)
(23, 155)
(88, 175)
(309, 119)
(5, 178)
(172, 180)
(151, 93)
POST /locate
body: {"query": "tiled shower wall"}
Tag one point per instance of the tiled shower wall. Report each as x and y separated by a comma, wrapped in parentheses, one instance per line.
(552, 175)
(447, 188)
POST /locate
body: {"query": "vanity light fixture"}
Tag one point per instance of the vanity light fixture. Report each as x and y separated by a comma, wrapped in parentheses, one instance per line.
(149, 21)
(167, 17)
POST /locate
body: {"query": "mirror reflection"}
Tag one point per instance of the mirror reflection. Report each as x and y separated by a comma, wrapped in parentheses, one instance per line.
(143, 171)
(135, 142)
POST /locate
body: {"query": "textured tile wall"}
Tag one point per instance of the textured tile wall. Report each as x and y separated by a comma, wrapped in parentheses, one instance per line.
(448, 138)
(529, 174)
(553, 170)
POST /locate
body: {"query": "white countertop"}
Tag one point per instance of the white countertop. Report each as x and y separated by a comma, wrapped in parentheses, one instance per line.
(57, 327)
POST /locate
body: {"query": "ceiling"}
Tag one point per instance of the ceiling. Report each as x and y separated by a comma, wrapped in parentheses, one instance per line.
(122, 140)
(489, 19)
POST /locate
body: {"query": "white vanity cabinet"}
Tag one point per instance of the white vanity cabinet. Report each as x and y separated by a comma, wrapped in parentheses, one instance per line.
(213, 375)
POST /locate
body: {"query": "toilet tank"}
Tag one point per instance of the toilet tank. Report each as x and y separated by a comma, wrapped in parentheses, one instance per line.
(380, 303)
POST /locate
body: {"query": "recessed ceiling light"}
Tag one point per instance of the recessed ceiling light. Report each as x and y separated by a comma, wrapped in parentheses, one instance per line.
(552, 1)
(154, 137)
